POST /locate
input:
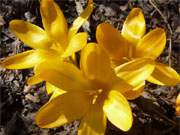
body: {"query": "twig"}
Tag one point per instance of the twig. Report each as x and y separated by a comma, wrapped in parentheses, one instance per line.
(163, 116)
(165, 132)
(169, 28)
(7, 36)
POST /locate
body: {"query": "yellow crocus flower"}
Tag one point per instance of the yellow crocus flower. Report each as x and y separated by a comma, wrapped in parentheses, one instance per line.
(131, 44)
(53, 43)
(93, 93)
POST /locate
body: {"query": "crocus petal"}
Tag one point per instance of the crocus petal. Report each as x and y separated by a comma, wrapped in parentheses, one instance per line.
(30, 34)
(95, 64)
(81, 19)
(55, 94)
(23, 60)
(178, 105)
(135, 92)
(120, 85)
(136, 71)
(134, 26)
(164, 75)
(63, 109)
(35, 79)
(53, 21)
(111, 40)
(94, 122)
(63, 75)
(76, 43)
(152, 44)
(118, 111)
(51, 88)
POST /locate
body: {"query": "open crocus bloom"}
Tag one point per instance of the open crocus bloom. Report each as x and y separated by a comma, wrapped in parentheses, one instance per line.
(93, 93)
(131, 44)
(54, 42)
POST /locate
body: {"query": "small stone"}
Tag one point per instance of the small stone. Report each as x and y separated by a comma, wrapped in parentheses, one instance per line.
(32, 98)
(2, 22)
(16, 83)
(26, 88)
(124, 7)
(177, 29)
(109, 12)
(11, 77)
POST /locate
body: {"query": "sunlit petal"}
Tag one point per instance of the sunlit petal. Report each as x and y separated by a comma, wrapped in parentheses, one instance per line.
(53, 21)
(95, 63)
(35, 79)
(94, 122)
(55, 91)
(30, 34)
(120, 85)
(111, 40)
(55, 94)
(81, 19)
(76, 43)
(63, 109)
(136, 71)
(51, 88)
(23, 60)
(164, 75)
(134, 26)
(134, 93)
(63, 75)
(118, 111)
(152, 44)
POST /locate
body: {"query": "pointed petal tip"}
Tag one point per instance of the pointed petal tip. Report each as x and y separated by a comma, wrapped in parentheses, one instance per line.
(54, 21)
(34, 80)
(90, 2)
(135, 12)
(14, 22)
(79, 21)
(15, 25)
(164, 75)
(160, 31)
(46, 2)
(136, 9)
(2, 65)
(134, 26)
(24, 60)
(11, 23)
(6, 64)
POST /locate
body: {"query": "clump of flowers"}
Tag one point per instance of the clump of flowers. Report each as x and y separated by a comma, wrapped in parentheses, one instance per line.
(53, 43)
(90, 94)
(132, 44)
(110, 72)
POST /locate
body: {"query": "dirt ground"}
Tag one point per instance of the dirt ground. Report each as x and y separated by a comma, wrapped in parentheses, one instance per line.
(154, 111)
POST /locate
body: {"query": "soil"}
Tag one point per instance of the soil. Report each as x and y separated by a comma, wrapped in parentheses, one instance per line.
(154, 111)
